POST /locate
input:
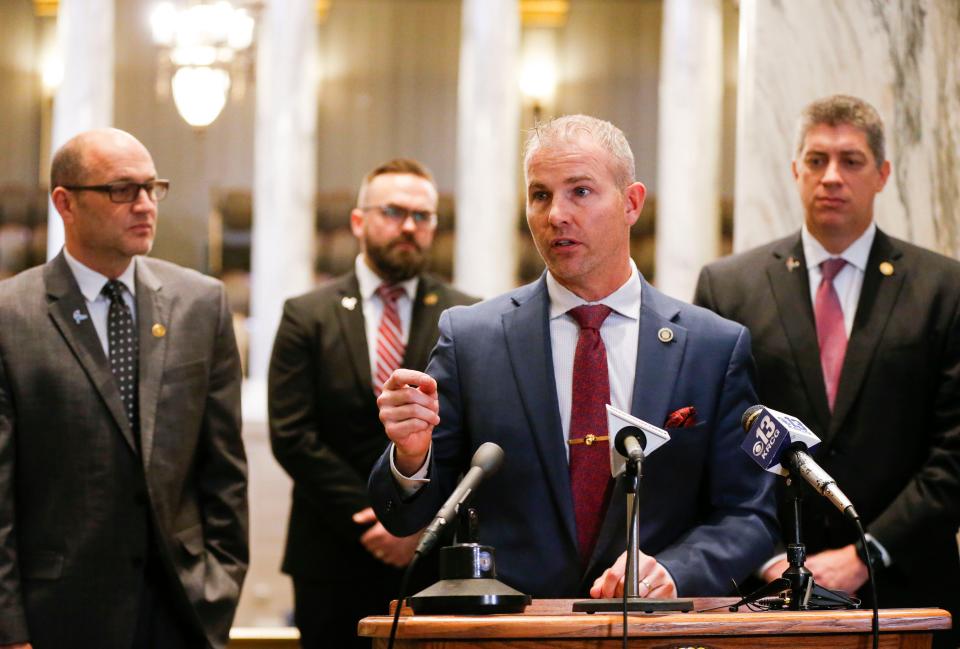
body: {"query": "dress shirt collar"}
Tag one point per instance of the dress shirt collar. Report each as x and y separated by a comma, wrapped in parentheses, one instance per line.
(91, 282)
(625, 300)
(856, 253)
(369, 281)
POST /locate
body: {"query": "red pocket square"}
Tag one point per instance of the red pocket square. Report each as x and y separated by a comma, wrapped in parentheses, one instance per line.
(682, 418)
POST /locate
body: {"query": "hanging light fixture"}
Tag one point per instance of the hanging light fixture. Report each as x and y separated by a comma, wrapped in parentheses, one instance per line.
(204, 48)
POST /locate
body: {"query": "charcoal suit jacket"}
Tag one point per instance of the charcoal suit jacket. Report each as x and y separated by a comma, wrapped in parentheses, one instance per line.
(84, 501)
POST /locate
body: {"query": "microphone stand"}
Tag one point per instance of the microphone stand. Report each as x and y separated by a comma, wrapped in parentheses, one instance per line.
(796, 589)
(631, 601)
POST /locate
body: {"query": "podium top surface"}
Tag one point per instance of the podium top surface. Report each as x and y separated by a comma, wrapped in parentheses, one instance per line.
(554, 618)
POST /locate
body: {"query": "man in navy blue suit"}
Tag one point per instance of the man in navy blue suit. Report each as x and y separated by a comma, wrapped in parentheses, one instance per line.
(510, 370)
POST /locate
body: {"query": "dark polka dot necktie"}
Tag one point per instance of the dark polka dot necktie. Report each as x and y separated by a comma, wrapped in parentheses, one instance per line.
(589, 460)
(122, 337)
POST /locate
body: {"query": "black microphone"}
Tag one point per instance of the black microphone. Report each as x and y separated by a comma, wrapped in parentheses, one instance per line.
(774, 438)
(630, 442)
(486, 460)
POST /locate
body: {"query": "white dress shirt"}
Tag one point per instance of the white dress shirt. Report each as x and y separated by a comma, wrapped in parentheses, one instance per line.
(849, 280)
(91, 285)
(620, 333)
(369, 282)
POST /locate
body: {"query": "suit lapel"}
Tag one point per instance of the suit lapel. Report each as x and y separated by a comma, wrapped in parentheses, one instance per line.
(68, 311)
(349, 314)
(423, 327)
(527, 332)
(658, 368)
(787, 273)
(877, 298)
(153, 308)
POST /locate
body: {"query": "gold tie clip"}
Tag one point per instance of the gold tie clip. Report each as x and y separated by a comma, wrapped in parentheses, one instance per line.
(588, 440)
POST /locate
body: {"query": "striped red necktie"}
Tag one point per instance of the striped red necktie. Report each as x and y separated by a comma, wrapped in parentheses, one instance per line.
(390, 345)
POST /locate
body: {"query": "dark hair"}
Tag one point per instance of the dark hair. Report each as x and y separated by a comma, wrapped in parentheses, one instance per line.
(844, 109)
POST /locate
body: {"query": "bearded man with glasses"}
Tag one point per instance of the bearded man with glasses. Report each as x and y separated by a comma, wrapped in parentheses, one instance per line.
(334, 349)
(123, 490)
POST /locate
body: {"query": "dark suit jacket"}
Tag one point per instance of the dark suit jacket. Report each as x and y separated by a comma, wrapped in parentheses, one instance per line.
(78, 492)
(707, 513)
(893, 441)
(324, 425)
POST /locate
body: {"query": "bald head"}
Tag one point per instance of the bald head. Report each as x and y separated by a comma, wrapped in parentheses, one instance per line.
(73, 162)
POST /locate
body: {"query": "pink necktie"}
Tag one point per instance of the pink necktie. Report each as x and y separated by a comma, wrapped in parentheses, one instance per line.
(831, 333)
(589, 460)
(390, 345)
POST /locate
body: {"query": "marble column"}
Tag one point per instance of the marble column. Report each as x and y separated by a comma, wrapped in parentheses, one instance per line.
(84, 99)
(691, 106)
(899, 56)
(488, 128)
(285, 152)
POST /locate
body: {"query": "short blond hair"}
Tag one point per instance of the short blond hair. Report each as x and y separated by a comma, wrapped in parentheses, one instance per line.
(570, 128)
(844, 109)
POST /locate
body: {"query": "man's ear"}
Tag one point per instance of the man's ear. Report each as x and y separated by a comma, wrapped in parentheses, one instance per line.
(65, 204)
(634, 196)
(356, 223)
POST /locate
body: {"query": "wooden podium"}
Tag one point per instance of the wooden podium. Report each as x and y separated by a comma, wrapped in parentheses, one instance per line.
(550, 623)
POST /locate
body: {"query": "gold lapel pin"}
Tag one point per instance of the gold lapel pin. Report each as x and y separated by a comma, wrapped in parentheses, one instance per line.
(886, 268)
(792, 263)
(430, 299)
(349, 303)
(665, 334)
(158, 330)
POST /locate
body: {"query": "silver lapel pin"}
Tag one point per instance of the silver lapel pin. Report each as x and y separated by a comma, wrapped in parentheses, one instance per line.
(79, 316)
(349, 303)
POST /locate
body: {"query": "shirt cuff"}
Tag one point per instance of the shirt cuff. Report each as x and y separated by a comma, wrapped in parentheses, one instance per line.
(410, 485)
(884, 555)
(769, 562)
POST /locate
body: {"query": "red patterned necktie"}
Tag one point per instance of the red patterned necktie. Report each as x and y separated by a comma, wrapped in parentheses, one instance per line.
(390, 345)
(831, 332)
(589, 462)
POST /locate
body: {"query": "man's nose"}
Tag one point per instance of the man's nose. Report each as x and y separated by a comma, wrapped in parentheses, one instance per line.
(831, 175)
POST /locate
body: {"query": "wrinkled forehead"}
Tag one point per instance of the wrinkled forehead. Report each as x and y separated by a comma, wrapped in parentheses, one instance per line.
(839, 138)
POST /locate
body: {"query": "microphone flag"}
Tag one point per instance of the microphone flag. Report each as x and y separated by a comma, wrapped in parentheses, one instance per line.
(623, 423)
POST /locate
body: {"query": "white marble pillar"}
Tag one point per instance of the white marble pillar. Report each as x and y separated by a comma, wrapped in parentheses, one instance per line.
(688, 172)
(899, 56)
(84, 99)
(488, 147)
(285, 152)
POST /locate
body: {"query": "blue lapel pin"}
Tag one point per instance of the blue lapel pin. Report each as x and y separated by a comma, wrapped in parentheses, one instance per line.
(79, 316)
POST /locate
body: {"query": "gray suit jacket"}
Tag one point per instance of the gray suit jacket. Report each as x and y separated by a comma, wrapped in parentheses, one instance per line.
(83, 502)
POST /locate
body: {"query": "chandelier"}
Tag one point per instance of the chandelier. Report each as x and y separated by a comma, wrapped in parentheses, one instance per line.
(204, 53)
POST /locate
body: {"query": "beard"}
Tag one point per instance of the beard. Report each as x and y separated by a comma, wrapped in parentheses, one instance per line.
(395, 264)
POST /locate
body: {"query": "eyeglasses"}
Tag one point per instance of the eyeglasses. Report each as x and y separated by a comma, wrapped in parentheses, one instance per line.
(399, 215)
(127, 192)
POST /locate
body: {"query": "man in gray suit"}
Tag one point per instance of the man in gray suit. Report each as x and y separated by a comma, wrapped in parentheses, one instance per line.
(123, 507)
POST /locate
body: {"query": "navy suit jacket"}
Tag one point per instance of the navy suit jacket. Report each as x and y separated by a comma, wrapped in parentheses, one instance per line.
(706, 511)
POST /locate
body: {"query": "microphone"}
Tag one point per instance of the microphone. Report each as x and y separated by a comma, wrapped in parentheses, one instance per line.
(774, 438)
(630, 442)
(486, 460)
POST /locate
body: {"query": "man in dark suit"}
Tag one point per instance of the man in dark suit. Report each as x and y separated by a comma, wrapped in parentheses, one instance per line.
(887, 405)
(532, 370)
(334, 348)
(123, 501)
